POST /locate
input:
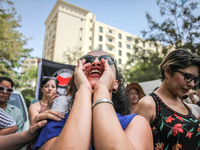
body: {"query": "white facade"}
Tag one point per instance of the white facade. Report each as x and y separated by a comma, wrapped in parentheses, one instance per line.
(70, 28)
(27, 64)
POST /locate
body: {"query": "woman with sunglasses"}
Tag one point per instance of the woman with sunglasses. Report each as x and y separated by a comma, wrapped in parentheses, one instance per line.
(94, 121)
(173, 125)
(6, 88)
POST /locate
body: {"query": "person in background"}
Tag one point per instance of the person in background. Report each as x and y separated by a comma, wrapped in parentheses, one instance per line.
(133, 93)
(48, 88)
(6, 88)
(191, 98)
(19, 140)
(173, 124)
(62, 102)
(7, 124)
(93, 121)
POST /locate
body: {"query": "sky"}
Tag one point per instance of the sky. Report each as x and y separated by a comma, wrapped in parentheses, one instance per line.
(126, 15)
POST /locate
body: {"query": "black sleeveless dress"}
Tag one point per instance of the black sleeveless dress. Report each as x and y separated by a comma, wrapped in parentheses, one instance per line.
(174, 131)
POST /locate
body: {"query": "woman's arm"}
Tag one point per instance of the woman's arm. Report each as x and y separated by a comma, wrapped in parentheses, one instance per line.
(147, 108)
(9, 130)
(33, 111)
(76, 133)
(18, 140)
(108, 133)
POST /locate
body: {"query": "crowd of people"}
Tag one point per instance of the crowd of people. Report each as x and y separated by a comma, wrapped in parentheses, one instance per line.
(101, 112)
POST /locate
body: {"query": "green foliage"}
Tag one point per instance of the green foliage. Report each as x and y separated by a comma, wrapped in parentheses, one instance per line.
(27, 77)
(70, 57)
(180, 28)
(143, 66)
(28, 95)
(11, 41)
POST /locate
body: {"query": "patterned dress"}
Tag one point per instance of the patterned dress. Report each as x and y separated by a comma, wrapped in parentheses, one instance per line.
(174, 131)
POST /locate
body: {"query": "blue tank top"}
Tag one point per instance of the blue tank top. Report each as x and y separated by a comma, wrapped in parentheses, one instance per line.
(53, 128)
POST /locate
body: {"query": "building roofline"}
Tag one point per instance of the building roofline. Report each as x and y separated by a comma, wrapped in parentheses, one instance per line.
(65, 3)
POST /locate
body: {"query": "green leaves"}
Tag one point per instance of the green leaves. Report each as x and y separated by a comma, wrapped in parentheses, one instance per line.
(11, 41)
(180, 27)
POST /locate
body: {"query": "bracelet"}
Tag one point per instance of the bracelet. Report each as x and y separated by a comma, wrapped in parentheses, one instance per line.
(102, 101)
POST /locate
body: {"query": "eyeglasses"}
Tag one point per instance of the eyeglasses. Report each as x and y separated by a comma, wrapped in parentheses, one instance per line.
(188, 77)
(90, 58)
(9, 90)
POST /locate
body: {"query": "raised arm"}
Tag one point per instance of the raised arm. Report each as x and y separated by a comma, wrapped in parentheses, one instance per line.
(76, 133)
(108, 133)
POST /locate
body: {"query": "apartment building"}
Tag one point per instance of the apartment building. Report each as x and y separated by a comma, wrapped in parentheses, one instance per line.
(27, 64)
(74, 31)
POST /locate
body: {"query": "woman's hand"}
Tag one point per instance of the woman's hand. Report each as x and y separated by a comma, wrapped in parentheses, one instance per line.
(51, 98)
(40, 121)
(108, 77)
(79, 74)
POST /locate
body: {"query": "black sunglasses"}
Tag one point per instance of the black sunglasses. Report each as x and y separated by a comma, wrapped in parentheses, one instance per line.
(9, 90)
(90, 58)
(188, 77)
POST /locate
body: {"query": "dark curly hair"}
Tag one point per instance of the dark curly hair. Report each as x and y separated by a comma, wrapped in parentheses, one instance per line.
(121, 105)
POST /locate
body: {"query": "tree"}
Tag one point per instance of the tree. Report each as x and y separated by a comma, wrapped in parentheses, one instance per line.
(180, 28)
(145, 64)
(11, 41)
(28, 95)
(70, 57)
(27, 77)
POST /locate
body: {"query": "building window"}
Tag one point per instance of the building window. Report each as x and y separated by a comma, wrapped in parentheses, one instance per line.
(90, 47)
(120, 36)
(110, 40)
(100, 38)
(81, 19)
(90, 29)
(143, 44)
(136, 41)
(91, 20)
(54, 27)
(120, 61)
(80, 39)
(110, 31)
(128, 38)
(120, 44)
(143, 51)
(90, 38)
(100, 47)
(128, 46)
(110, 48)
(100, 29)
(81, 29)
(120, 53)
(136, 49)
(149, 45)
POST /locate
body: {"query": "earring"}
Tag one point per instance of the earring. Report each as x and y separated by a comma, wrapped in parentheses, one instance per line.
(114, 91)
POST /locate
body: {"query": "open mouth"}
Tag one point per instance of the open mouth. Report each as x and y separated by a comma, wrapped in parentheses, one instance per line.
(95, 72)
